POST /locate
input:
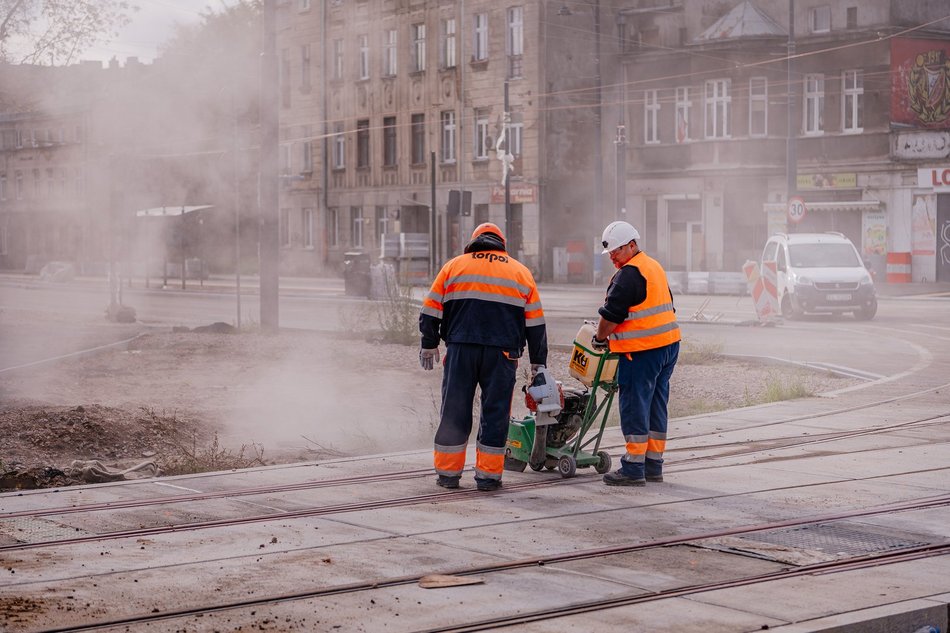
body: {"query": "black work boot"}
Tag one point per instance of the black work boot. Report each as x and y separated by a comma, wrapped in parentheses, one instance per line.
(448, 482)
(619, 478)
(487, 485)
(654, 470)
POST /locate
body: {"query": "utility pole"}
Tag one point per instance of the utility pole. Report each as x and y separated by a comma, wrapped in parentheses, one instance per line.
(598, 128)
(269, 167)
(621, 140)
(432, 231)
(504, 169)
(791, 151)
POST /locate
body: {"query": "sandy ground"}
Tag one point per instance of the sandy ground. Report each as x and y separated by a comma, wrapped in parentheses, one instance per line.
(290, 397)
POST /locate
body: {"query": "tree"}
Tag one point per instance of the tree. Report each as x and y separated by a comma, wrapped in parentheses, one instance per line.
(57, 31)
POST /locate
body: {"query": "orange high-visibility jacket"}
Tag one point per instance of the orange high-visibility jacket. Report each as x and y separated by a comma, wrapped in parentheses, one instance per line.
(650, 324)
(485, 298)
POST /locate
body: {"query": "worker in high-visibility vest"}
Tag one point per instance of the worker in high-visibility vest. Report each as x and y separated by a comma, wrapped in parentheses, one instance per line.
(485, 305)
(638, 321)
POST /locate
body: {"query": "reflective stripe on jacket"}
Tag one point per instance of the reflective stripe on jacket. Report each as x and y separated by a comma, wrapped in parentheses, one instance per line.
(485, 298)
(650, 324)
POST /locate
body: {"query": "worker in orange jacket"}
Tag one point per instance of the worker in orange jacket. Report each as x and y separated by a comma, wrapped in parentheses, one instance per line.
(485, 306)
(638, 321)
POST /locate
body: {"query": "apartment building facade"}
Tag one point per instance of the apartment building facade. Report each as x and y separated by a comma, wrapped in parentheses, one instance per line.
(404, 103)
(712, 103)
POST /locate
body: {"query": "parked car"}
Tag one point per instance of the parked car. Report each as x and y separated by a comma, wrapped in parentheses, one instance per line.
(820, 273)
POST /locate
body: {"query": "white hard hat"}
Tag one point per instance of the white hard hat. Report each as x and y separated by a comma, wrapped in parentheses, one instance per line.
(617, 234)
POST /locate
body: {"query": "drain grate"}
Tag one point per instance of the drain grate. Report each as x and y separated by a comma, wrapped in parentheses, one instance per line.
(837, 539)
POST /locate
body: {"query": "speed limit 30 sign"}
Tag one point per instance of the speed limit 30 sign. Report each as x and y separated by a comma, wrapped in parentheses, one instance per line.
(796, 209)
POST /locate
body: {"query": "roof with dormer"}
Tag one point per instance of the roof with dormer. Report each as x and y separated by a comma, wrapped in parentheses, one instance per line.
(744, 20)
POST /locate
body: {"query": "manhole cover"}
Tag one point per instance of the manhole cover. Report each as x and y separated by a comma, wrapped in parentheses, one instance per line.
(32, 530)
(837, 538)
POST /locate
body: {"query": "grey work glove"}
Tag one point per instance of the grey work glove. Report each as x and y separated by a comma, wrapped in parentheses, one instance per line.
(428, 358)
(597, 344)
(534, 370)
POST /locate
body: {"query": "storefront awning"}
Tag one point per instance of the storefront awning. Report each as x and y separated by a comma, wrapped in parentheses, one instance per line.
(837, 205)
(161, 212)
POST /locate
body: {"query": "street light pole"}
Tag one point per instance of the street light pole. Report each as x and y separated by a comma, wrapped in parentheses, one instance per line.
(269, 195)
(598, 129)
(791, 155)
(621, 140)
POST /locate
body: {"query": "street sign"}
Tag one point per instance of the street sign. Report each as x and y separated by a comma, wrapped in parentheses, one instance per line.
(796, 209)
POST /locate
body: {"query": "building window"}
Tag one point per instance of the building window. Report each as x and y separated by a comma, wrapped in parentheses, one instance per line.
(852, 87)
(448, 136)
(364, 56)
(338, 59)
(758, 106)
(356, 218)
(3, 240)
(418, 47)
(717, 108)
(389, 141)
(284, 159)
(418, 139)
(389, 54)
(19, 138)
(852, 18)
(285, 77)
(813, 114)
(514, 134)
(651, 116)
(19, 185)
(284, 228)
(303, 5)
(480, 44)
(305, 67)
(482, 142)
(77, 180)
(306, 152)
(333, 227)
(37, 187)
(819, 19)
(362, 143)
(50, 183)
(306, 226)
(448, 43)
(3, 186)
(339, 147)
(515, 41)
(382, 221)
(683, 105)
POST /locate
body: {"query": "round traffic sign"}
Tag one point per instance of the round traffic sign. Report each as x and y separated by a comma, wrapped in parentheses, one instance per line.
(796, 209)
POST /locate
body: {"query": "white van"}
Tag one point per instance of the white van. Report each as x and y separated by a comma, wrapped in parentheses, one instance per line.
(820, 273)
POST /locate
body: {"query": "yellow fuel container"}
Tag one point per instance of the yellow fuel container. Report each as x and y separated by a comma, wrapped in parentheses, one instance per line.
(584, 360)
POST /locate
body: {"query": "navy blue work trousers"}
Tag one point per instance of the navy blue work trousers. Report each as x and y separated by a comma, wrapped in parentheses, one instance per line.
(644, 380)
(467, 367)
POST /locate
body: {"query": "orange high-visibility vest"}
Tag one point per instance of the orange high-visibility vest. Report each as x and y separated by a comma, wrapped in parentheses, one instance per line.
(651, 324)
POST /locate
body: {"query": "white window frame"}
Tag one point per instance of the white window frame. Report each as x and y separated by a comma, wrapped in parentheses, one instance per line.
(3, 187)
(514, 135)
(447, 124)
(514, 42)
(418, 32)
(356, 226)
(480, 141)
(417, 132)
(333, 226)
(286, 161)
(683, 106)
(306, 153)
(19, 185)
(3, 240)
(305, 66)
(338, 59)
(651, 117)
(716, 101)
(306, 227)
(363, 41)
(448, 56)
(480, 37)
(389, 53)
(852, 94)
(813, 108)
(819, 19)
(339, 147)
(759, 95)
(303, 5)
(284, 228)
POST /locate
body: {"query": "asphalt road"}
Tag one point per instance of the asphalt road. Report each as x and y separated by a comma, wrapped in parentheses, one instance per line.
(905, 333)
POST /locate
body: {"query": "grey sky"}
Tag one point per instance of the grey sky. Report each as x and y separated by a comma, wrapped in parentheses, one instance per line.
(151, 26)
